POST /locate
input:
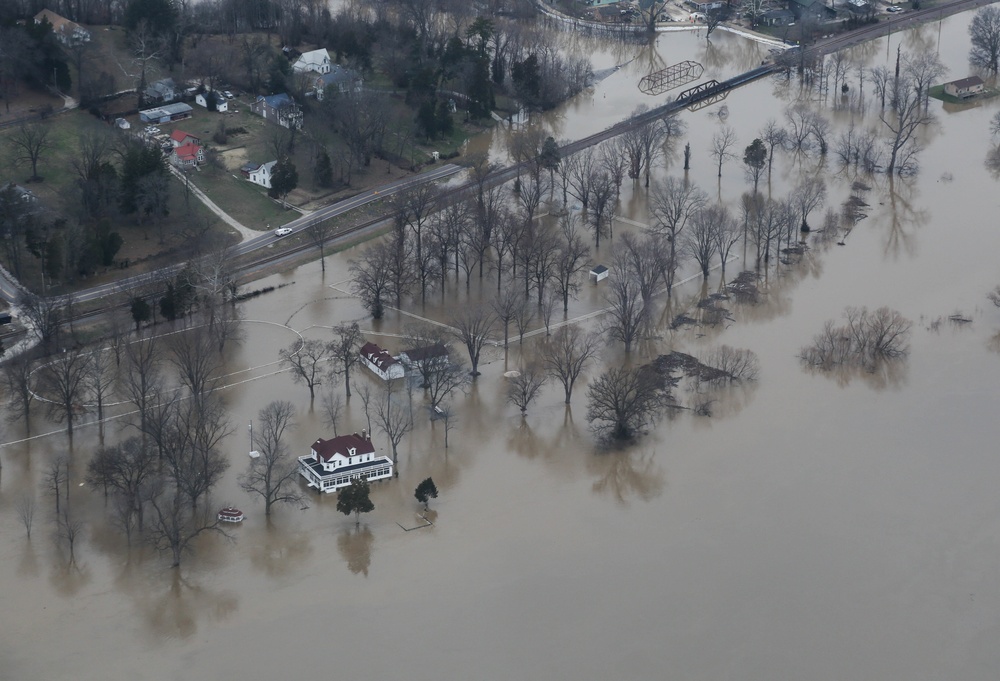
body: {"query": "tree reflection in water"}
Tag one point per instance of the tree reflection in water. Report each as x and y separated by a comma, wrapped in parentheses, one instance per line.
(625, 475)
(356, 548)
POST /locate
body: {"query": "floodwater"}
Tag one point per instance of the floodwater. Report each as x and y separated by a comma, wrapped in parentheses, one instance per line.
(816, 527)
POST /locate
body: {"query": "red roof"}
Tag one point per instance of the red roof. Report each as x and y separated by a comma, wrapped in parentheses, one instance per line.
(189, 152)
(181, 136)
(377, 356)
(327, 449)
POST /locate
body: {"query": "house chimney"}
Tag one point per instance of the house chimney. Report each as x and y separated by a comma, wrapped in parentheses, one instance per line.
(364, 434)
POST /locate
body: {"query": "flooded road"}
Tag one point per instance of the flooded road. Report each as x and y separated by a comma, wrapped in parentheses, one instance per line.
(813, 528)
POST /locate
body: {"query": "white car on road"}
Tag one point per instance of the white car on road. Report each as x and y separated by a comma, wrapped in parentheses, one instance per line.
(283, 231)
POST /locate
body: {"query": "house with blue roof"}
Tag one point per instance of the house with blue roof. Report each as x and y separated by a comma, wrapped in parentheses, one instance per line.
(280, 109)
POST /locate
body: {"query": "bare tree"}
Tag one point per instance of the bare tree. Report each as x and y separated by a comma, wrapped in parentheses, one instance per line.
(193, 355)
(129, 470)
(902, 122)
(881, 79)
(735, 364)
(413, 208)
(674, 203)
(566, 355)
(305, 360)
(866, 338)
(192, 447)
(25, 507)
(723, 143)
(18, 382)
(726, 234)
(63, 383)
(809, 194)
(44, 316)
(27, 144)
(985, 34)
(333, 408)
(373, 278)
(700, 240)
(774, 136)
(523, 388)
(799, 118)
(345, 350)
(572, 260)
(626, 311)
(68, 529)
(100, 376)
(174, 526)
(394, 421)
(505, 306)
(56, 478)
(272, 474)
(473, 325)
(623, 401)
(141, 377)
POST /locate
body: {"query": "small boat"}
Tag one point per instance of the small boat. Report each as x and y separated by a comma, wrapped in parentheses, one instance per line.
(231, 515)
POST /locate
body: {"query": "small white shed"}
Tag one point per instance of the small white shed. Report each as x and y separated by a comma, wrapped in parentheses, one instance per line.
(598, 272)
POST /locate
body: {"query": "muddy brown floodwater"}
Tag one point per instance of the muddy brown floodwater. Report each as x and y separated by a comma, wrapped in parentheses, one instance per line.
(813, 528)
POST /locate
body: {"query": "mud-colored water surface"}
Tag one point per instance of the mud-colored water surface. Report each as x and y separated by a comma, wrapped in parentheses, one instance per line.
(815, 527)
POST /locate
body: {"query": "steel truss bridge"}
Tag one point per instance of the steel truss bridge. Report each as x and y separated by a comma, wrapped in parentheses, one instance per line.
(679, 74)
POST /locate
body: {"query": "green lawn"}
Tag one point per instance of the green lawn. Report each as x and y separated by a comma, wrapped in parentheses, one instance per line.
(245, 202)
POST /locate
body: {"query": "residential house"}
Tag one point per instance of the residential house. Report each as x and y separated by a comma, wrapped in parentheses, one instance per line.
(415, 359)
(704, 6)
(317, 61)
(166, 114)
(161, 91)
(380, 362)
(188, 156)
(179, 138)
(776, 17)
(280, 109)
(66, 31)
(221, 103)
(333, 464)
(344, 80)
(259, 173)
(965, 87)
(810, 9)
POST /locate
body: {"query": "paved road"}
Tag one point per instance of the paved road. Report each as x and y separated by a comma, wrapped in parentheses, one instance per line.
(9, 289)
(888, 23)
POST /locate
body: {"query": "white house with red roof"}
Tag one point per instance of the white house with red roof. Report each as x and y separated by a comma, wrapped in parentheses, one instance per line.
(179, 138)
(188, 156)
(380, 362)
(333, 464)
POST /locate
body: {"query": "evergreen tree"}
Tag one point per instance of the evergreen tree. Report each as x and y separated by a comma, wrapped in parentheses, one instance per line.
(426, 490)
(323, 172)
(284, 178)
(354, 499)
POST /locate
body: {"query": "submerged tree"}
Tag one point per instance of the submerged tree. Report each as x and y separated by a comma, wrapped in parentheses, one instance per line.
(624, 401)
(272, 474)
(566, 355)
(985, 34)
(865, 339)
(305, 359)
(523, 388)
(426, 490)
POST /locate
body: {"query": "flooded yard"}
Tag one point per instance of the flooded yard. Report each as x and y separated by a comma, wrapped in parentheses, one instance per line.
(817, 526)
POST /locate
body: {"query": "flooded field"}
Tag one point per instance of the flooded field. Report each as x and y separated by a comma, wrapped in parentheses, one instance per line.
(815, 527)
